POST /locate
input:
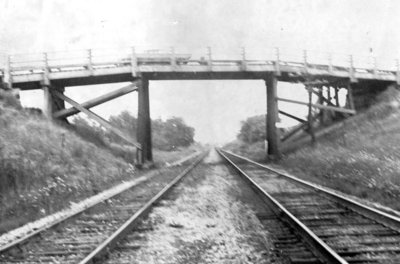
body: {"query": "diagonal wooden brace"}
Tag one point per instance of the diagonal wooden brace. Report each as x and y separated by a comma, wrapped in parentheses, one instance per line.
(64, 113)
(301, 120)
(97, 118)
(319, 106)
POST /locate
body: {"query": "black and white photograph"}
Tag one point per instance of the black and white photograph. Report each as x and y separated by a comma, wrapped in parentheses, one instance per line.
(200, 131)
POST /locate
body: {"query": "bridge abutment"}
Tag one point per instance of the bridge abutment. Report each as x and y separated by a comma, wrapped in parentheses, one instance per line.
(144, 122)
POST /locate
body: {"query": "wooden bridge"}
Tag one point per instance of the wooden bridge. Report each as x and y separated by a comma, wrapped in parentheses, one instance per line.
(322, 76)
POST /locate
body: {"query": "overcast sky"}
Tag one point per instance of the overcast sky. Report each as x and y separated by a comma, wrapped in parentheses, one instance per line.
(214, 108)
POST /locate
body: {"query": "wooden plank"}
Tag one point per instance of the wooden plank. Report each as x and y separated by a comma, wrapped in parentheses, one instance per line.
(96, 101)
(337, 109)
(293, 131)
(316, 83)
(97, 118)
(292, 116)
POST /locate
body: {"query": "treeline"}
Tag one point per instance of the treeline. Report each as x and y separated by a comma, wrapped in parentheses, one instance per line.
(166, 135)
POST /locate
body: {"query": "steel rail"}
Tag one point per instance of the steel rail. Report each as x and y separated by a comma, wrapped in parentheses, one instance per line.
(383, 218)
(24, 238)
(107, 245)
(36, 232)
(319, 247)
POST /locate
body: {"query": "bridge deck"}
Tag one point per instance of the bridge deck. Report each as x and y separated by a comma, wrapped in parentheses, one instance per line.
(31, 74)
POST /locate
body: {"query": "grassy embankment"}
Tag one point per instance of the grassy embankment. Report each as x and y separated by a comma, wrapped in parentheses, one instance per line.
(44, 167)
(361, 158)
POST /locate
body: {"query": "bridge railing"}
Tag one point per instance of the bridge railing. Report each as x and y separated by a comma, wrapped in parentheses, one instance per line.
(99, 58)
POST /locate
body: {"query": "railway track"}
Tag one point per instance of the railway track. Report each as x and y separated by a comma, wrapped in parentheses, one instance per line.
(288, 248)
(91, 234)
(338, 229)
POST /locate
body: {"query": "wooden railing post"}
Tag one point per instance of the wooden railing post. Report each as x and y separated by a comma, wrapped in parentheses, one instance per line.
(397, 72)
(351, 70)
(243, 65)
(277, 62)
(134, 62)
(209, 58)
(90, 61)
(330, 65)
(375, 71)
(46, 69)
(173, 57)
(7, 73)
(305, 60)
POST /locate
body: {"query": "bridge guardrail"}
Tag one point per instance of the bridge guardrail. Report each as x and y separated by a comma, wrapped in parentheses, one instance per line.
(91, 59)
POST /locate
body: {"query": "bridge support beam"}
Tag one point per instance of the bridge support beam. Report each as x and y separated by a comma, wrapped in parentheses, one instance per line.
(52, 103)
(273, 140)
(64, 113)
(144, 122)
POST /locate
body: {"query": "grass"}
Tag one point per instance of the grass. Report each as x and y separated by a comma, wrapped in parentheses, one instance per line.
(361, 158)
(44, 167)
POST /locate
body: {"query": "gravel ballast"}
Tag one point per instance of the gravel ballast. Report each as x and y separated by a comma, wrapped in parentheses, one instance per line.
(202, 221)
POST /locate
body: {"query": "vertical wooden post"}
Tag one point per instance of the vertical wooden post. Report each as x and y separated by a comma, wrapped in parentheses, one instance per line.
(322, 112)
(350, 100)
(173, 58)
(310, 118)
(352, 71)
(52, 103)
(277, 62)
(134, 62)
(329, 93)
(305, 60)
(337, 96)
(330, 65)
(272, 115)
(90, 61)
(243, 62)
(209, 58)
(7, 73)
(144, 121)
(47, 101)
(329, 97)
(58, 103)
(46, 70)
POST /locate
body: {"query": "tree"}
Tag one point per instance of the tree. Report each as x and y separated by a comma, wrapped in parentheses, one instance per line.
(253, 129)
(124, 121)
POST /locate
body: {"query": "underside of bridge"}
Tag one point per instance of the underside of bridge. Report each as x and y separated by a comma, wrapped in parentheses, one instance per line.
(325, 110)
(323, 102)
